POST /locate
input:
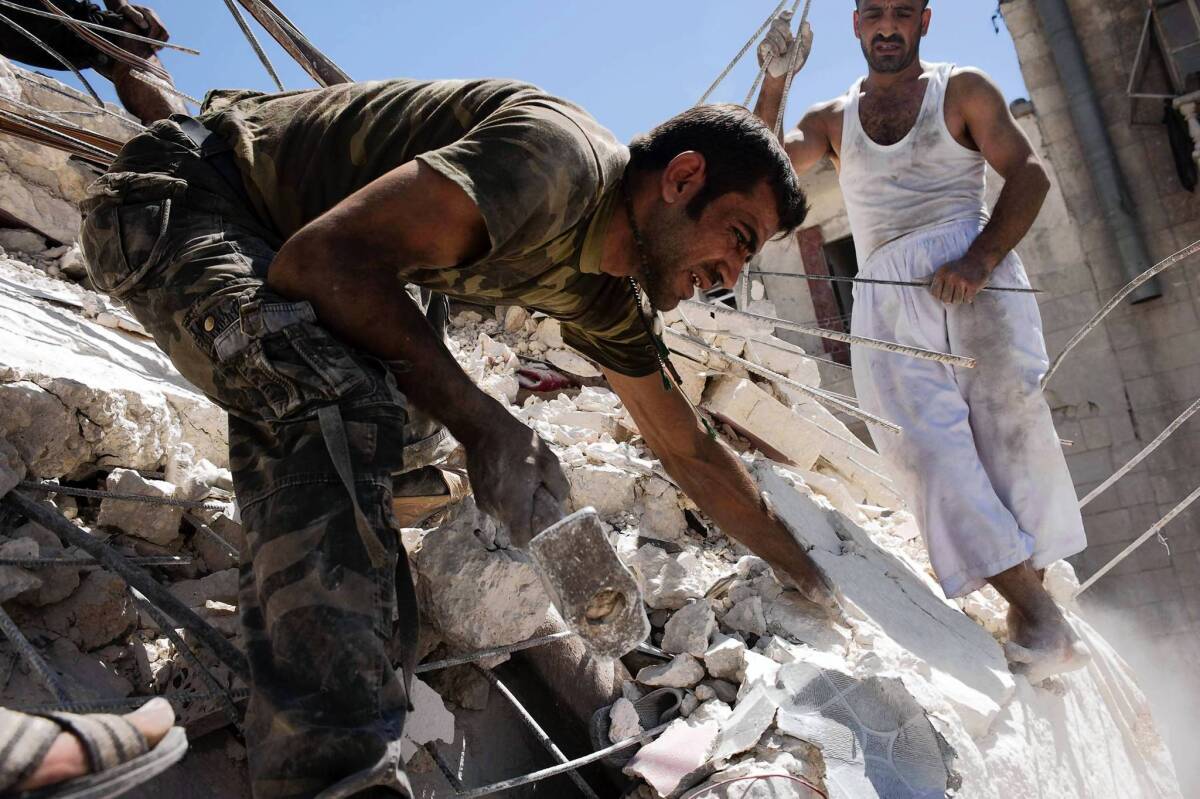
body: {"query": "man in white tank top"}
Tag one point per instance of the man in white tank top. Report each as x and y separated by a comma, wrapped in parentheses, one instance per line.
(979, 459)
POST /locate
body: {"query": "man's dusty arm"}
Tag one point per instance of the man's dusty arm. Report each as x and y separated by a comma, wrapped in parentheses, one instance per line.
(1008, 150)
(715, 479)
(351, 262)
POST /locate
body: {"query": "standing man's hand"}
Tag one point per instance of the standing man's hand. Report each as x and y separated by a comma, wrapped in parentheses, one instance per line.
(509, 466)
(778, 47)
(960, 281)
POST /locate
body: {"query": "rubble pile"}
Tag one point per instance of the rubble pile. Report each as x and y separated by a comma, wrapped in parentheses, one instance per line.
(904, 691)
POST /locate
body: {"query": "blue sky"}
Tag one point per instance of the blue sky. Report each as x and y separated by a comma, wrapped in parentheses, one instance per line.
(632, 63)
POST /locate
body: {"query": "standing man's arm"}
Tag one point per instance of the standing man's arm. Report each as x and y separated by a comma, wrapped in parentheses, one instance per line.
(990, 126)
(716, 480)
(810, 141)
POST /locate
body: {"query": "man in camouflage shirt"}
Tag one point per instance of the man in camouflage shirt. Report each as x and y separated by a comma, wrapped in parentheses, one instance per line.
(268, 250)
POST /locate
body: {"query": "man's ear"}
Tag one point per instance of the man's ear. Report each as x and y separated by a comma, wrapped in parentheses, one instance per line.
(926, 18)
(683, 178)
(857, 30)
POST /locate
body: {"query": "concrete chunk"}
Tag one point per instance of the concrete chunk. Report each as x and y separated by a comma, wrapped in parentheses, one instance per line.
(158, 524)
(726, 659)
(765, 419)
(679, 751)
(689, 629)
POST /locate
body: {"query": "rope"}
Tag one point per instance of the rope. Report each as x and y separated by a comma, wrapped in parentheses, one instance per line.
(263, 58)
(1132, 286)
(1143, 538)
(99, 27)
(749, 43)
(871, 343)
(791, 73)
(91, 493)
(1141, 456)
(816, 394)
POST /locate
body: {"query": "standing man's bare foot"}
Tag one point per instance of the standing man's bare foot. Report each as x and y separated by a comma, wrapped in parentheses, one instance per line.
(67, 759)
(1041, 642)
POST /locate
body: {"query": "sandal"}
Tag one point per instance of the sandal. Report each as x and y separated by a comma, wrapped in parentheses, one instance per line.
(117, 753)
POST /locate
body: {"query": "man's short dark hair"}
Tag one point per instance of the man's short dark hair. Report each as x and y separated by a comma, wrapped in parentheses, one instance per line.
(858, 3)
(739, 151)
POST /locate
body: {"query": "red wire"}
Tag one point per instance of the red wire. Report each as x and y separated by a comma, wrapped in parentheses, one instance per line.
(791, 777)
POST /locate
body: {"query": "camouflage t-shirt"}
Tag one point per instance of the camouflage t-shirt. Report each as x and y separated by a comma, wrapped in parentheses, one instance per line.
(544, 174)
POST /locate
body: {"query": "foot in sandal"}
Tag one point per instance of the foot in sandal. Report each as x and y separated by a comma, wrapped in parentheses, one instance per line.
(67, 755)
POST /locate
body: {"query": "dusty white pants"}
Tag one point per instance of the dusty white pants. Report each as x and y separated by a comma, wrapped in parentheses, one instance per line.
(979, 460)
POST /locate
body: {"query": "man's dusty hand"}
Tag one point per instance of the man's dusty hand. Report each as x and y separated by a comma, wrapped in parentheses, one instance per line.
(508, 464)
(777, 49)
(960, 281)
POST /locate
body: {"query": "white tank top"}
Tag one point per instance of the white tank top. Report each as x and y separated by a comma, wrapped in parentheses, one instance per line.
(925, 179)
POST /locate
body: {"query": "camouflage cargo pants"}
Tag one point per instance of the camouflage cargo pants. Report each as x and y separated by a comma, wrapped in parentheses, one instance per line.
(325, 590)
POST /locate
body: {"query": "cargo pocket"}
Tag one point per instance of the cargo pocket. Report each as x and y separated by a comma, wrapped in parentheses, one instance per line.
(127, 216)
(274, 359)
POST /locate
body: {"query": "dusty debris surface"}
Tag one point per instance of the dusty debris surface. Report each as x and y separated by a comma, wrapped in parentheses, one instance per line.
(905, 694)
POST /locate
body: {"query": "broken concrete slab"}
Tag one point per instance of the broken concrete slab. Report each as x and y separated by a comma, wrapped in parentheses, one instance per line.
(751, 717)
(679, 751)
(767, 421)
(606, 488)
(689, 629)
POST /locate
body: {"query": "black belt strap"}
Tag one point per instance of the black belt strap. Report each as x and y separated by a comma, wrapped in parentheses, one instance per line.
(215, 151)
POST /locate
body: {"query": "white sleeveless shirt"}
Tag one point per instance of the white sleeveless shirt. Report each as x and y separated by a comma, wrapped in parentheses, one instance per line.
(924, 180)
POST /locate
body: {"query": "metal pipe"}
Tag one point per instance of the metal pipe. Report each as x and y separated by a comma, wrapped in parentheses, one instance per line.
(1098, 152)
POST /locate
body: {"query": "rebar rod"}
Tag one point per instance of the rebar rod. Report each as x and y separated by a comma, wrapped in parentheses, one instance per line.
(1141, 456)
(201, 527)
(816, 394)
(319, 67)
(538, 732)
(97, 26)
(248, 32)
(78, 97)
(563, 768)
(167, 628)
(57, 56)
(1129, 288)
(880, 281)
(835, 335)
(130, 702)
(1143, 538)
(33, 658)
(163, 561)
(492, 652)
(133, 575)
(92, 493)
(102, 45)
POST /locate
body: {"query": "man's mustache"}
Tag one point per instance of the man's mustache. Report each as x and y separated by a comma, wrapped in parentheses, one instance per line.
(894, 39)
